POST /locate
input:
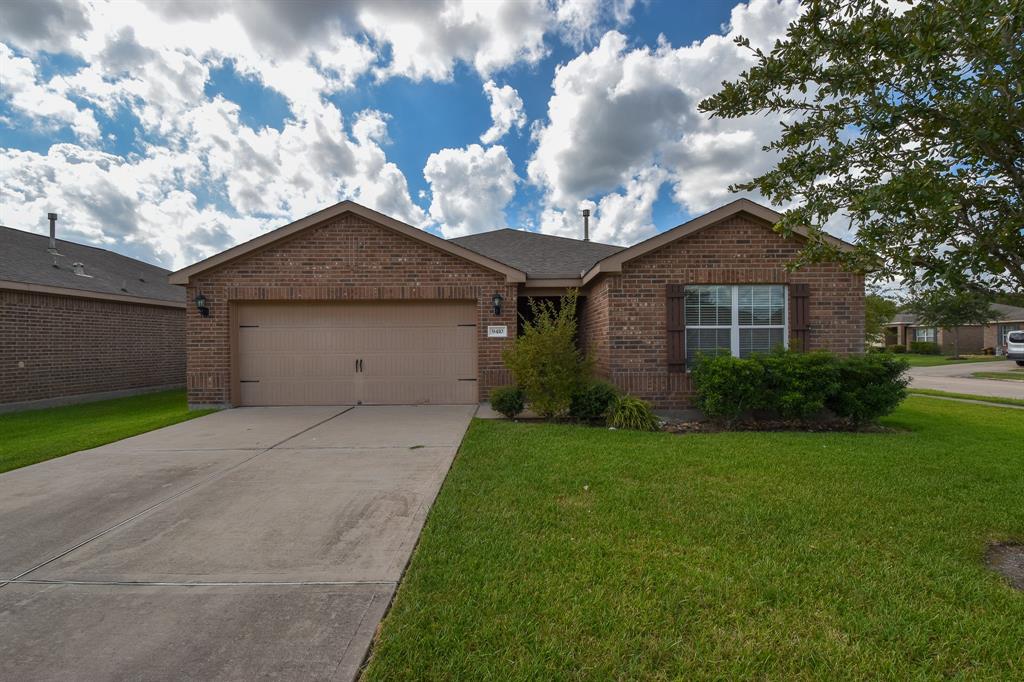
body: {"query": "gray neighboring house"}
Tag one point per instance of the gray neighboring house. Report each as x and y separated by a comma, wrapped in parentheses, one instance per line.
(81, 323)
(905, 328)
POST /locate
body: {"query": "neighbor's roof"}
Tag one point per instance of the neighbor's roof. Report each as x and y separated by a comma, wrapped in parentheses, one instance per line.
(1005, 313)
(26, 264)
(1010, 313)
(540, 256)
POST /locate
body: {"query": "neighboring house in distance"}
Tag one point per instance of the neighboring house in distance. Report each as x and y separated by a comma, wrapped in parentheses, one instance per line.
(905, 328)
(1011, 318)
(81, 323)
(349, 306)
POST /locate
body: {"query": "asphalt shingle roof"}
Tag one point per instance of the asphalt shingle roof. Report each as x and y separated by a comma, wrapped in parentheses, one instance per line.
(1004, 312)
(25, 258)
(538, 255)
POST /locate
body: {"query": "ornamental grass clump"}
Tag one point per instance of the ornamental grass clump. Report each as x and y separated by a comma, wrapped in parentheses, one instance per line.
(630, 412)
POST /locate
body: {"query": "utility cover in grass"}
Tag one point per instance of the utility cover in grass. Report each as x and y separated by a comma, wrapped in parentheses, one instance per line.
(1008, 560)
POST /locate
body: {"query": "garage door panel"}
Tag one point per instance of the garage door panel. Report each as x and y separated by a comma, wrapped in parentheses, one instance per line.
(306, 354)
(299, 392)
(406, 391)
(266, 366)
(437, 366)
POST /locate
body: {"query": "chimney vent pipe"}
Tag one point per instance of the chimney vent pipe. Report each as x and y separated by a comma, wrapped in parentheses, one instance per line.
(586, 224)
(53, 231)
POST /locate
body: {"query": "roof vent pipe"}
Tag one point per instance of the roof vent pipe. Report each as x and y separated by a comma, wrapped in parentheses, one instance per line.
(586, 224)
(53, 231)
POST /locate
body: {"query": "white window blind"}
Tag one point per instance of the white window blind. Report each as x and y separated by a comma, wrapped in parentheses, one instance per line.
(734, 319)
(925, 334)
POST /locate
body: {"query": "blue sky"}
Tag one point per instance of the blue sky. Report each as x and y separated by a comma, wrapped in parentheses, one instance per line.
(170, 133)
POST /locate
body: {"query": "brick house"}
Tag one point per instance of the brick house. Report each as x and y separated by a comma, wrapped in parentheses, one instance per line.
(350, 306)
(905, 328)
(80, 323)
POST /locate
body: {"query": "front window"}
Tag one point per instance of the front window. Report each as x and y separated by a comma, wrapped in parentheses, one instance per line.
(737, 320)
(925, 334)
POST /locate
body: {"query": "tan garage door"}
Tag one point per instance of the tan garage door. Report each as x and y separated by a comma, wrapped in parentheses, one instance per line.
(381, 353)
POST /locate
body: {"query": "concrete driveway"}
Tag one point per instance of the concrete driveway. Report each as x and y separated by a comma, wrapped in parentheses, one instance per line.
(252, 543)
(957, 379)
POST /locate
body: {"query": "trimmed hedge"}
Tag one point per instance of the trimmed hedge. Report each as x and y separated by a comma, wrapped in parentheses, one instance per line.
(508, 401)
(592, 401)
(924, 347)
(800, 386)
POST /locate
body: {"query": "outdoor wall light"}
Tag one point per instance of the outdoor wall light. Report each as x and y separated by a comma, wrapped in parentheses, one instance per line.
(201, 306)
(496, 301)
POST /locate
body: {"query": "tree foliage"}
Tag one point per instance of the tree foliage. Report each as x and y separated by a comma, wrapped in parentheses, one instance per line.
(950, 307)
(878, 310)
(906, 120)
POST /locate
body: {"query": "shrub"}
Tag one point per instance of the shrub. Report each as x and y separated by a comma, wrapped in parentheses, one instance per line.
(592, 401)
(544, 360)
(924, 347)
(797, 385)
(727, 387)
(508, 401)
(628, 412)
(870, 387)
(896, 348)
(800, 385)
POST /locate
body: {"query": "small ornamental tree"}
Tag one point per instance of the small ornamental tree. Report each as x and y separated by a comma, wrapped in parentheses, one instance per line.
(950, 307)
(545, 361)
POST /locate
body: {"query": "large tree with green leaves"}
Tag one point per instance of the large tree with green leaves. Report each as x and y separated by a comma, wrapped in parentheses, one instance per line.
(878, 311)
(905, 119)
(950, 308)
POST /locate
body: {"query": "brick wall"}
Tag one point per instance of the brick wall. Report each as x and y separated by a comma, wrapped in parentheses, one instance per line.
(58, 346)
(348, 258)
(593, 329)
(737, 250)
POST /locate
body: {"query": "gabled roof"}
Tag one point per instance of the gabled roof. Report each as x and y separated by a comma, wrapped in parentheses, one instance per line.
(1004, 313)
(1008, 313)
(182, 276)
(26, 264)
(540, 256)
(614, 262)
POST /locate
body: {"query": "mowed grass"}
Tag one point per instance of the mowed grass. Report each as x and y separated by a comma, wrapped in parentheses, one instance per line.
(1012, 375)
(39, 435)
(966, 396)
(562, 552)
(921, 360)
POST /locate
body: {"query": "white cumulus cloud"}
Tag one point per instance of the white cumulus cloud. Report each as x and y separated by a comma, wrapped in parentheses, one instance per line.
(471, 188)
(506, 111)
(618, 112)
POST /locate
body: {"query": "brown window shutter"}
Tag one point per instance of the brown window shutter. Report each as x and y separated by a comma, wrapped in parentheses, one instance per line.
(676, 328)
(800, 315)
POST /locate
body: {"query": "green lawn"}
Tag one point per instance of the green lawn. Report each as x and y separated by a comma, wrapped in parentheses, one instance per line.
(38, 435)
(562, 552)
(1013, 375)
(918, 360)
(966, 396)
